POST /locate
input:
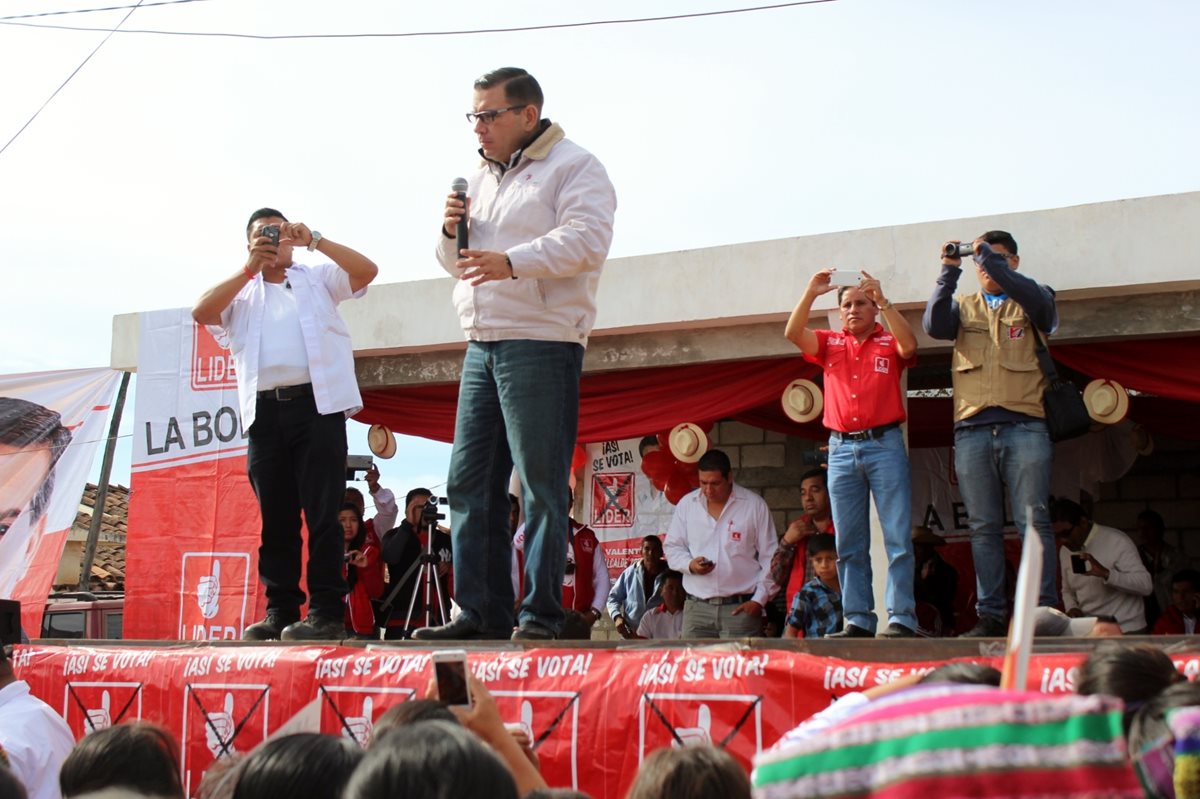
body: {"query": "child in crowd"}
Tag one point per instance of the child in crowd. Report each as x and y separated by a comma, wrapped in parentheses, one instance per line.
(665, 621)
(817, 608)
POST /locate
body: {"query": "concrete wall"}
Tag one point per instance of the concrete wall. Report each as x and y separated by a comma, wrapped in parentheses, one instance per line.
(1105, 250)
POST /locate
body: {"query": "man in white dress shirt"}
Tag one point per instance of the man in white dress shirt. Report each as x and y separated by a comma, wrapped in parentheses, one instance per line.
(721, 539)
(296, 386)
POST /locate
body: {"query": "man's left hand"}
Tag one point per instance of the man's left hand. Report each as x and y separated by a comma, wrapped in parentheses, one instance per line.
(750, 608)
(1095, 568)
(870, 287)
(480, 266)
(296, 233)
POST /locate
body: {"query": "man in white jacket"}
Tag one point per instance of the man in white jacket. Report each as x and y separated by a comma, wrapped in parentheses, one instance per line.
(1102, 573)
(540, 212)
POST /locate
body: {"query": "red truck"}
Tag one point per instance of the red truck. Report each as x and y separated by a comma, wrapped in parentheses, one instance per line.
(84, 614)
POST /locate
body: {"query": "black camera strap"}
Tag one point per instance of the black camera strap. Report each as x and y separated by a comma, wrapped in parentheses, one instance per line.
(386, 605)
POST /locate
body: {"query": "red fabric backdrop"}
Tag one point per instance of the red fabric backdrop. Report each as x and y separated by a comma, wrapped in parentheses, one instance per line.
(638, 402)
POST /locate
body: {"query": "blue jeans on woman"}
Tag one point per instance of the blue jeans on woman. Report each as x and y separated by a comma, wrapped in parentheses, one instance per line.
(518, 405)
(858, 470)
(990, 461)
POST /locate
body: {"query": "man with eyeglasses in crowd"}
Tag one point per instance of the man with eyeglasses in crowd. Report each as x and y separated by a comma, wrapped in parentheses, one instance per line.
(540, 214)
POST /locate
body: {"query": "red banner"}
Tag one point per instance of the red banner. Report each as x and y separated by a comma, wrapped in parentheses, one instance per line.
(594, 714)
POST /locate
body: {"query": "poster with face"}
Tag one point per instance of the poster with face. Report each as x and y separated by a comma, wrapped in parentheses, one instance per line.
(51, 424)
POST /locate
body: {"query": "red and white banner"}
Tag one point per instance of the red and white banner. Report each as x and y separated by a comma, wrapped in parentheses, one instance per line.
(594, 715)
(192, 546)
(620, 503)
(50, 426)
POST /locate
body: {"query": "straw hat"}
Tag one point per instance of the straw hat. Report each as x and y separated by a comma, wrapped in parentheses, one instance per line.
(687, 442)
(802, 401)
(923, 535)
(1106, 400)
(382, 441)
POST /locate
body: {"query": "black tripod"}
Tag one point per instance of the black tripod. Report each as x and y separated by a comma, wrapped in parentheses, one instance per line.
(428, 575)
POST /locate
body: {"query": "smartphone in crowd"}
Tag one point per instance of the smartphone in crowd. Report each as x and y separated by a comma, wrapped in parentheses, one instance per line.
(450, 671)
(845, 278)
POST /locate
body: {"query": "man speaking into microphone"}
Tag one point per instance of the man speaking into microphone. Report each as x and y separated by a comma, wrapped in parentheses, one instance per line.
(539, 213)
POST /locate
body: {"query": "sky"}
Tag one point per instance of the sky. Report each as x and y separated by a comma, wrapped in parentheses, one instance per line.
(130, 191)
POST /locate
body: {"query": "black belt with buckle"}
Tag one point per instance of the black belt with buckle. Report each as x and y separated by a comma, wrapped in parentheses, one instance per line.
(285, 393)
(863, 435)
(737, 599)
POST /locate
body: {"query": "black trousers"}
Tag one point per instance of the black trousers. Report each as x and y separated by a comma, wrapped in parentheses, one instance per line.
(297, 461)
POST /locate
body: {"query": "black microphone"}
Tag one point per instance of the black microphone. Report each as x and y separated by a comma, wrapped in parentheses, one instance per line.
(459, 187)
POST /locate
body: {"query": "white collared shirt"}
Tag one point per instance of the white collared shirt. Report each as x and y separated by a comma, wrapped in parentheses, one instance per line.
(35, 738)
(740, 543)
(318, 290)
(661, 624)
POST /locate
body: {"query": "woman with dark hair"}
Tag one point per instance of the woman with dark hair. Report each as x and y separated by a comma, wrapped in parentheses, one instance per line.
(411, 712)
(691, 772)
(137, 756)
(306, 765)
(1134, 674)
(364, 572)
(430, 760)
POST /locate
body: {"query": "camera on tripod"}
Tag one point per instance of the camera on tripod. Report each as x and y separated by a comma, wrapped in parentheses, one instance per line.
(431, 511)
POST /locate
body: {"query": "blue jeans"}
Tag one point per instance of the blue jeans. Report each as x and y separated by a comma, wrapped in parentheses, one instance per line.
(991, 460)
(518, 405)
(858, 470)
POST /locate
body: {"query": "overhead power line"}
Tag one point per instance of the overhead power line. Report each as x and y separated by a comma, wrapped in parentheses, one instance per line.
(90, 10)
(418, 34)
(68, 80)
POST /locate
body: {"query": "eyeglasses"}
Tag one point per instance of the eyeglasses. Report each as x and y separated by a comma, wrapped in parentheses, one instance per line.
(488, 117)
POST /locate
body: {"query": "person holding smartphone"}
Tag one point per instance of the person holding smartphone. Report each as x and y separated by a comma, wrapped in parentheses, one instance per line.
(1102, 572)
(864, 408)
(296, 387)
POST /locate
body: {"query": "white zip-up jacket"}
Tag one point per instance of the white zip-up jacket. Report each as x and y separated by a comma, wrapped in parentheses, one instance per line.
(552, 214)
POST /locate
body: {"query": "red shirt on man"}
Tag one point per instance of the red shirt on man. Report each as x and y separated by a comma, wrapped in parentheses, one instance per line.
(862, 381)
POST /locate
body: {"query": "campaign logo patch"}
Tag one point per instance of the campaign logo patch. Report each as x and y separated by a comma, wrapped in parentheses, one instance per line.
(220, 721)
(212, 365)
(1016, 332)
(213, 595)
(732, 722)
(882, 364)
(91, 706)
(612, 499)
(351, 711)
(550, 720)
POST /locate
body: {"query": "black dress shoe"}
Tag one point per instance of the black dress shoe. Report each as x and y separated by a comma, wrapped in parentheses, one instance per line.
(895, 630)
(461, 629)
(269, 629)
(532, 631)
(851, 631)
(987, 627)
(315, 628)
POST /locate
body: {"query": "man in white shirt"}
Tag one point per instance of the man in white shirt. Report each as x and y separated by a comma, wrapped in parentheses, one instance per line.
(721, 539)
(539, 210)
(33, 737)
(296, 386)
(664, 621)
(1102, 573)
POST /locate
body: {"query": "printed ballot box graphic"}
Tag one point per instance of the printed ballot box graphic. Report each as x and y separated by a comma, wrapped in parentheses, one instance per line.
(732, 722)
(613, 503)
(212, 366)
(91, 706)
(220, 720)
(351, 711)
(214, 593)
(550, 719)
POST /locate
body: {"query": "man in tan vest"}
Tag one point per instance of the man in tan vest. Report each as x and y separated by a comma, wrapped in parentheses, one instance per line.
(1001, 445)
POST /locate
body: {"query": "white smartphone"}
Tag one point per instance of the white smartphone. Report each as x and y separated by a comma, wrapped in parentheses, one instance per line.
(450, 671)
(848, 277)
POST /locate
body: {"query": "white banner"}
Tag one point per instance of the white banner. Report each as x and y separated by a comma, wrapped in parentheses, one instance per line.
(51, 424)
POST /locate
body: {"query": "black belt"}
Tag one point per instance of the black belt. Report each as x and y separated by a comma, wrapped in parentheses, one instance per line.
(285, 393)
(863, 435)
(737, 599)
